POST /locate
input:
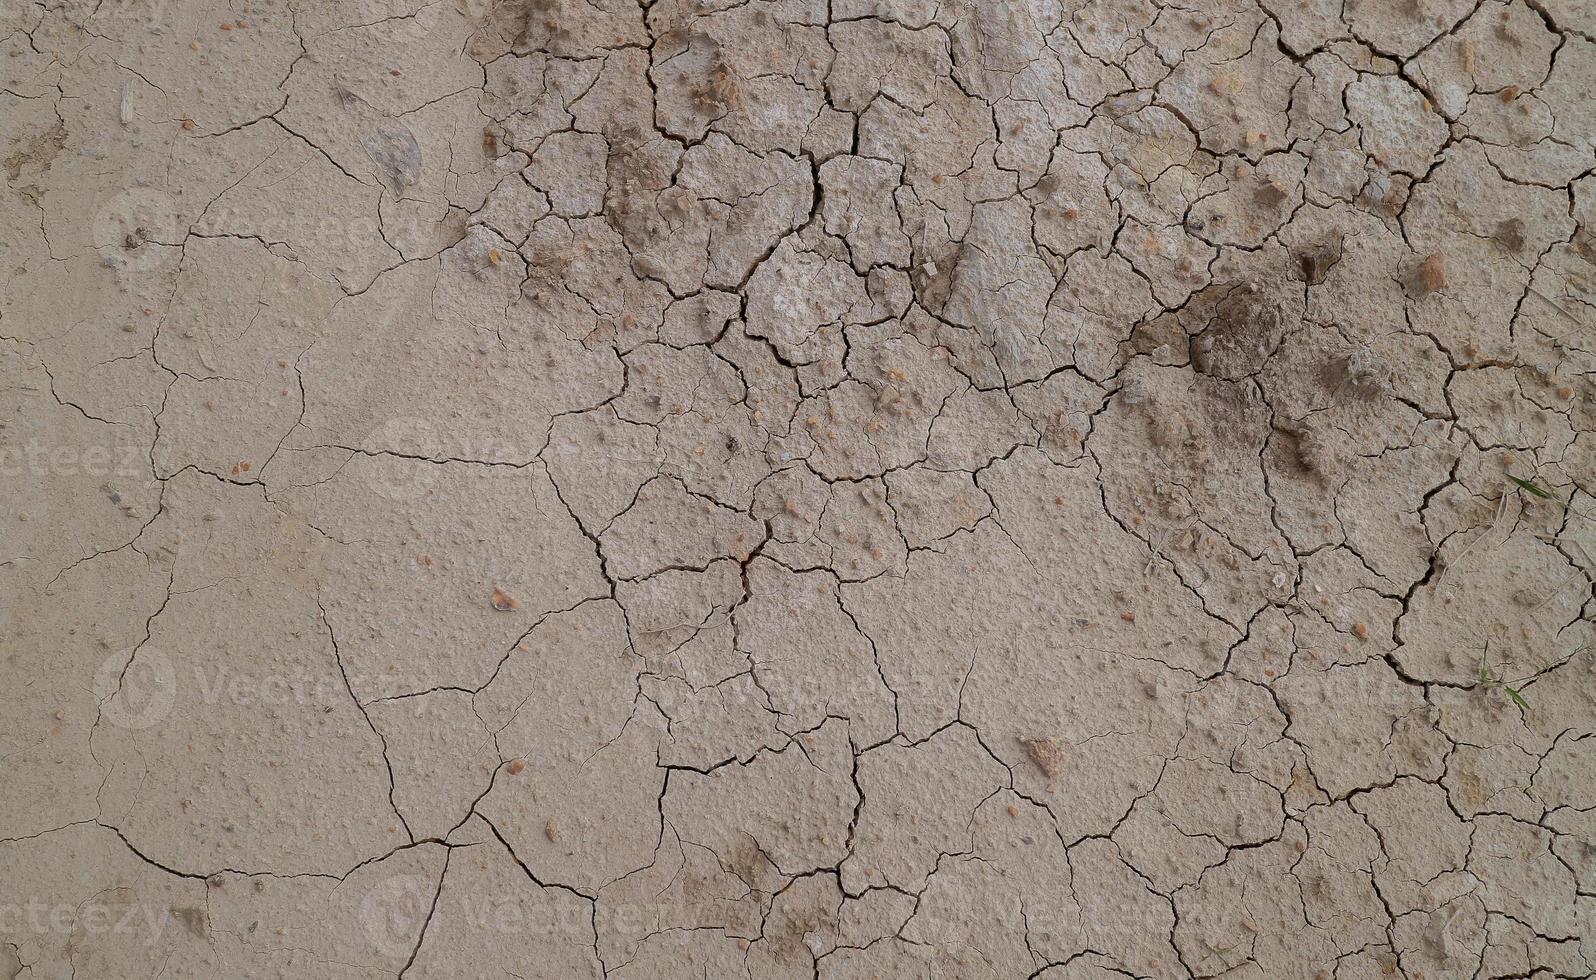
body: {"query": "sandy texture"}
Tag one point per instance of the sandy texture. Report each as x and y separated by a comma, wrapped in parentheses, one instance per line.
(831, 489)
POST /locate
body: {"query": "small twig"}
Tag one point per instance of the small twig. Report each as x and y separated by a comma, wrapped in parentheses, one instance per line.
(1555, 664)
(1553, 305)
(1501, 507)
(1576, 573)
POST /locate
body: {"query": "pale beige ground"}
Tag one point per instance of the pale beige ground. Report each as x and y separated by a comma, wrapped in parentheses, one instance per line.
(798, 488)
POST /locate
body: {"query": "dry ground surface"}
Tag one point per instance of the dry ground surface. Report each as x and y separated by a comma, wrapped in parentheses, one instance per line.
(798, 488)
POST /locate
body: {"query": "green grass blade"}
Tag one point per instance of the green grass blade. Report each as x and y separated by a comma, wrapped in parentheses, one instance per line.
(1530, 487)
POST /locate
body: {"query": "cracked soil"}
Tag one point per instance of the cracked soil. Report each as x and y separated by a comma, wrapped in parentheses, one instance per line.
(837, 489)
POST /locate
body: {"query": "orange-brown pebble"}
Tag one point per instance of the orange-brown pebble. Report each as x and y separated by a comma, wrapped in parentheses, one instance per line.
(1432, 273)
